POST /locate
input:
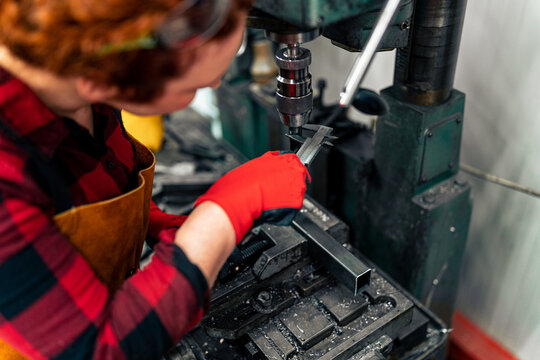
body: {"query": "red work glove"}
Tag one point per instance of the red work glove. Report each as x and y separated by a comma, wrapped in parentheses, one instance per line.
(159, 220)
(269, 188)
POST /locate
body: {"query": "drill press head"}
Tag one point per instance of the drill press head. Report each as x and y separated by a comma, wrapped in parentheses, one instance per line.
(294, 94)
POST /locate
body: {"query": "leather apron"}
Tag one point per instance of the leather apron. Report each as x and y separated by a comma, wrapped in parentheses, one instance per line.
(109, 234)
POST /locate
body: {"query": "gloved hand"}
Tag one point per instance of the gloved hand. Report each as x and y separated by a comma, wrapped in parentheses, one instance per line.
(158, 221)
(269, 188)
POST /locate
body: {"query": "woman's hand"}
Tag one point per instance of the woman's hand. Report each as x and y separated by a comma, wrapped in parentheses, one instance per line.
(269, 188)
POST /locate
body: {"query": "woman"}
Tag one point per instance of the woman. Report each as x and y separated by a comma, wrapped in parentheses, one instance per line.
(75, 188)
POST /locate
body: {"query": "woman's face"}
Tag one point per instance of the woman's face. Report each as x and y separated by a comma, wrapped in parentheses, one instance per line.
(211, 61)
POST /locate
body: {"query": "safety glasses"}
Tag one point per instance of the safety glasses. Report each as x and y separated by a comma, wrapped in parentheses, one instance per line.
(189, 24)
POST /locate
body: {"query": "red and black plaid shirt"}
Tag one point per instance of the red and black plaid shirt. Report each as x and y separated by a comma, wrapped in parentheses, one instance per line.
(51, 303)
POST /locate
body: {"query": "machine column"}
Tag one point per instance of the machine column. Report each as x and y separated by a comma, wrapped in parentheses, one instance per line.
(416, 212)
(425, 69)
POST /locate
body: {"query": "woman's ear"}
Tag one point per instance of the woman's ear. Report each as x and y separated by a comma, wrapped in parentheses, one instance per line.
(93, 91)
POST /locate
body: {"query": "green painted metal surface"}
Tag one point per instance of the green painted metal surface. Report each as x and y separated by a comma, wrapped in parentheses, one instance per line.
(407, 207)
(352, 33)
(415, 227)
(315, 13)
(243, 121)
(443, 139)
(414, 218)
(415, 145)
(347, 23)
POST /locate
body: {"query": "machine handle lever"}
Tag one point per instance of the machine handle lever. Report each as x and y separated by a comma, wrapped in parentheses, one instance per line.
(362, 62)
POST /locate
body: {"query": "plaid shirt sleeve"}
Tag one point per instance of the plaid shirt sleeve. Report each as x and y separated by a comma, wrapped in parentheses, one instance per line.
(160, 220)
(51, 303)
(52, 306)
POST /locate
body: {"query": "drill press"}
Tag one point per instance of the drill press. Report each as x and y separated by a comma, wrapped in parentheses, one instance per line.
(294, 95)
(408, 209)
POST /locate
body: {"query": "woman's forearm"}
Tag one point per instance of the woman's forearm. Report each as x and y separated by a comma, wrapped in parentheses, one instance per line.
(207, 238)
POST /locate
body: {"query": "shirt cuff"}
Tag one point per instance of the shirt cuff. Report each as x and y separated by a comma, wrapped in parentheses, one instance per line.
(192, 273)
(159, 220)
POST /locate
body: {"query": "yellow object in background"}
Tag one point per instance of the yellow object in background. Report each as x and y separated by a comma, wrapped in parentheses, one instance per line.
(146, 129)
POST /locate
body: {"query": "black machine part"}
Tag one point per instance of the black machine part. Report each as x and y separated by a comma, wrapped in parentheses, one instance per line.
(284, 304)
(257, 308)
(425, 69)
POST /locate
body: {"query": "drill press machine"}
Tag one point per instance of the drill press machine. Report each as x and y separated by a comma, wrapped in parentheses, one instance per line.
(398, 188)
(302, 291)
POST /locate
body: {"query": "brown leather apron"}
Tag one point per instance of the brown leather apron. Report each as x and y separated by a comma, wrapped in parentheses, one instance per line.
(109, 234)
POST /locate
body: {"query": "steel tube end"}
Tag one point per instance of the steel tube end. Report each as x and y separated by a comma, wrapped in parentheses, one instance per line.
(362, 281)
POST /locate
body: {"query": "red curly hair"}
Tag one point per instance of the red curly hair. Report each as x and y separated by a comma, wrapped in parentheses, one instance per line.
(64, 37)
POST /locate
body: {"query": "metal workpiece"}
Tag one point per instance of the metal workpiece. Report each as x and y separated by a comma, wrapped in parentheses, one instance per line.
(425, 69)
(339, 261)
(362, 62)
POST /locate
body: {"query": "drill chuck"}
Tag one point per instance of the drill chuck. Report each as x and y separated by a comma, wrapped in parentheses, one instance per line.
(294, 94)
